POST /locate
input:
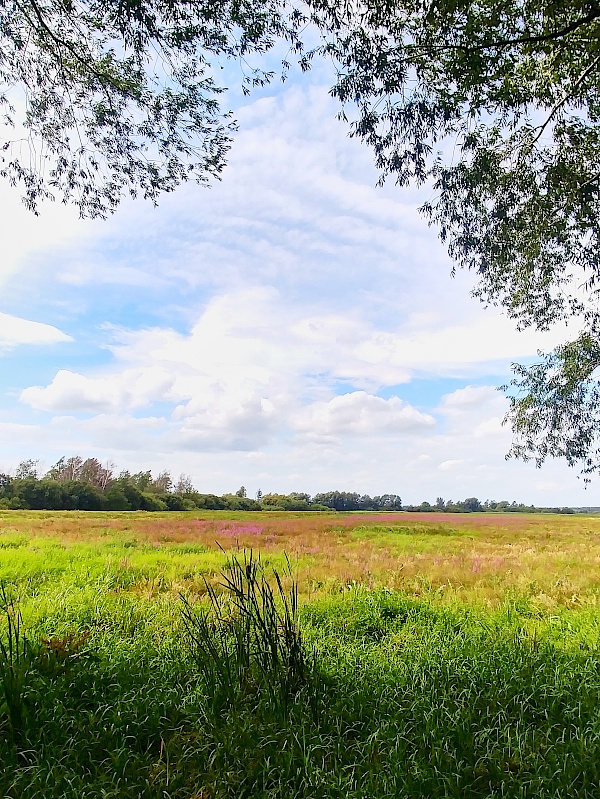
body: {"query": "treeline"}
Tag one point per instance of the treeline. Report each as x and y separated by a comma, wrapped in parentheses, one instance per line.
(87, 484)
(473, 505)
(76, 483)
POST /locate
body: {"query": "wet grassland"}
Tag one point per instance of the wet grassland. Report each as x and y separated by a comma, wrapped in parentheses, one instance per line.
(398, 655)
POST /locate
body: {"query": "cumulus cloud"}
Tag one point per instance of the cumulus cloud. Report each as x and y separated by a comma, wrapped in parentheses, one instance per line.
(70, 391)
(15, 331)
(359, 413)
(247, 426)
(268, 316)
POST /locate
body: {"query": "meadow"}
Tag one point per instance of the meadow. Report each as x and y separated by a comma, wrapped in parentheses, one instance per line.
(447, 655)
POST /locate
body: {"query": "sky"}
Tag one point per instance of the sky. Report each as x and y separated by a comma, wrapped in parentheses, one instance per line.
(293, 327)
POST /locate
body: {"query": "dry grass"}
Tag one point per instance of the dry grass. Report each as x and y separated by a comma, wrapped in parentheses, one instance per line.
(480, 558)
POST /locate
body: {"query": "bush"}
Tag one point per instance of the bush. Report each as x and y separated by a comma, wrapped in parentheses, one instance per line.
(115, 499)
(176, 502)
(152, 502)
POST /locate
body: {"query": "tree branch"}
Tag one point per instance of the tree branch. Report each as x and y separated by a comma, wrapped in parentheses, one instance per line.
(542, 38)
(589, 69)
(60, 43)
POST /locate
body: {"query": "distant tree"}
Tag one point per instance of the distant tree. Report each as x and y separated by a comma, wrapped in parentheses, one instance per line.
(339, 500)
(176, 502)
(471, 504)
(96, 473)
(27, 469)
(208, 501)
(184, 484)
(387, 502)
(241, 492)
(140, 480)
(133, 495)
(39, 494)
(161, 484)
(366, 502)
(66, 469)
(152, 502)
(115, 498)
(293, 501)
(78, 495)
(5, 485)
(236, 502)
(299, 496)
(272, 501)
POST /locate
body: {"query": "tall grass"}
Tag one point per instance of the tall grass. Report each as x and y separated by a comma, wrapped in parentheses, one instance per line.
(248, 638)
(16, 658)
(243, 691)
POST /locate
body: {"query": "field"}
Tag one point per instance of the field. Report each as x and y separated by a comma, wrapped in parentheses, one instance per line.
(440, 656)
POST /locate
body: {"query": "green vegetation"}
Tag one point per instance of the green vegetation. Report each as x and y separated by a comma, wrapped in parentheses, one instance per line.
(139, 659)
(77, 484)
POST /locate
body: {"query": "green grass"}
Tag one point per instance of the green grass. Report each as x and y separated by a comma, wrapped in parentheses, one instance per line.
(397, 695)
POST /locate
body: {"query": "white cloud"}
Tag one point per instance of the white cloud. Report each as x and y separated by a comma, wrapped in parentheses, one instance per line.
(491, 427)
(446, 466)
(267, 316)
(14, 331)
(548, 486)
(468, 399)
(247, 426)
(69, 391)
(359, 413)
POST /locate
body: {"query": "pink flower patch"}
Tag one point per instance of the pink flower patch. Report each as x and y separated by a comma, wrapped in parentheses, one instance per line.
(240, 529)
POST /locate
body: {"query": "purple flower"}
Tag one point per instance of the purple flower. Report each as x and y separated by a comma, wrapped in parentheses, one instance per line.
(241, 529)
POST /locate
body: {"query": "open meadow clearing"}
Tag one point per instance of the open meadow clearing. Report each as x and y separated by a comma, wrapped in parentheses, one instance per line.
(440, 655)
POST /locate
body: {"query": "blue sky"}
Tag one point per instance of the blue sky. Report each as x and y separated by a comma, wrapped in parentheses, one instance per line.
(294, 327)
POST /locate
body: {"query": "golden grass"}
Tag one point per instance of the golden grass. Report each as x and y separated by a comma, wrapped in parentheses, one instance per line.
(552, 560)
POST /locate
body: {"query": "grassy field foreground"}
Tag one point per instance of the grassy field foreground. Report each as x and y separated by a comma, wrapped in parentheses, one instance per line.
(441, 656)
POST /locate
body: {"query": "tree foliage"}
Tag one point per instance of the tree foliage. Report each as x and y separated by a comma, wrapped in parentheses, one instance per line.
(118, 98)
(495, 105)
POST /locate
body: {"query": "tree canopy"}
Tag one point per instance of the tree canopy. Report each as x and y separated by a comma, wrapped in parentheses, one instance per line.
(494, 104)
(118, 97)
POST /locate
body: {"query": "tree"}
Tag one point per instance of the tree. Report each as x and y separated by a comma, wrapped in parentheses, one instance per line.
(496, 106)
(388, 502)
(471, 504)
(96, 474)
(339, 500)
(66, 469)
(27, 470)
(162, 484)
(184, 484)
(5, 485)
(140, 480)
(118, 98)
